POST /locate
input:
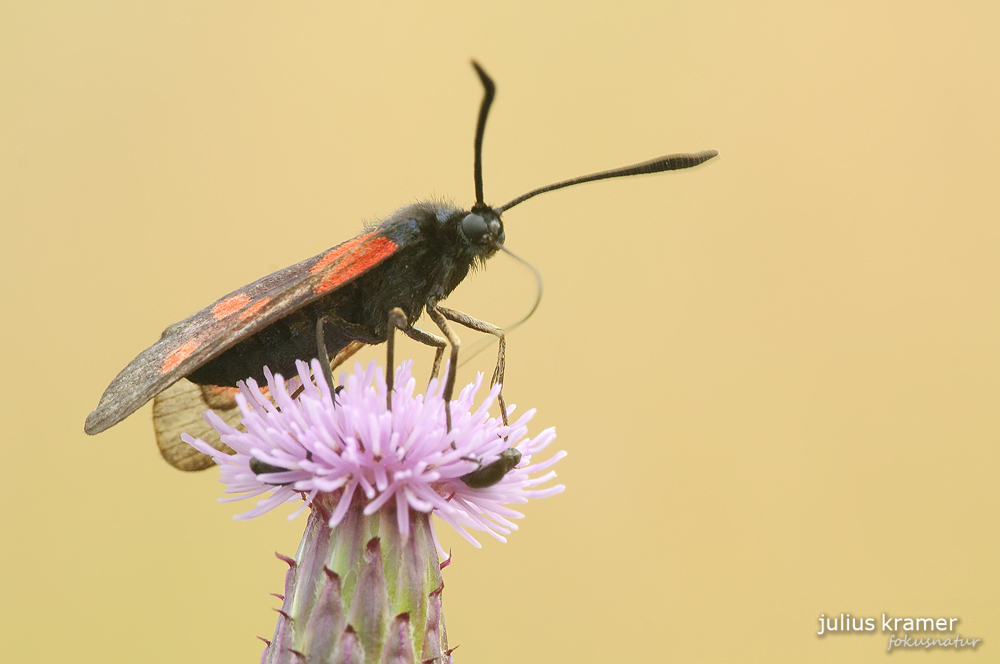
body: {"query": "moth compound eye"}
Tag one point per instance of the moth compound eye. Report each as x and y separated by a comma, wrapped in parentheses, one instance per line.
(496, 230)
(474, 227)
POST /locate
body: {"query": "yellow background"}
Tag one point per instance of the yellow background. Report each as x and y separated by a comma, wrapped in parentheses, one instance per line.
(776, 375)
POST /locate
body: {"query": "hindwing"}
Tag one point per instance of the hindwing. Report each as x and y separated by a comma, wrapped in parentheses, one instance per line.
(179, 409)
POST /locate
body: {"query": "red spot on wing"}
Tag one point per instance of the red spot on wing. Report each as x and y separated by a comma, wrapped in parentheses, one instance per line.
(362, 257)
(257, 306)
(179, 355)
(337, 252)
(231, 305)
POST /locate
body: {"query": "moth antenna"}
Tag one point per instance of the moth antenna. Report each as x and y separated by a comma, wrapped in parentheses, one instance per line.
(489, 91)
(538, 292)
(670, 162)
(483, 345)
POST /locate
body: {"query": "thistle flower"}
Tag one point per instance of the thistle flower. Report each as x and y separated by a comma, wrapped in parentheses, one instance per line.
(365, 584)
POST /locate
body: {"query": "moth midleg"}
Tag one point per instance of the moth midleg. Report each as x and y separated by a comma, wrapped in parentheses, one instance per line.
(429, 339)
(449, 382)
(397, 319)
(487, 328)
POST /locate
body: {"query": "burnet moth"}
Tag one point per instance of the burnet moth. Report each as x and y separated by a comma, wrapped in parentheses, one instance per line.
(331, 305)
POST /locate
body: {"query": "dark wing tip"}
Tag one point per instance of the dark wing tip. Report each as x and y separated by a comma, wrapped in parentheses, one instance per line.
(95, 422)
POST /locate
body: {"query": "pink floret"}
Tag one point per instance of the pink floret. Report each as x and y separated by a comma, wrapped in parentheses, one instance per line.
(359, 448)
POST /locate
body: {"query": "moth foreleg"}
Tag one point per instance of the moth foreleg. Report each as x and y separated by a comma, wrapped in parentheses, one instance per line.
(487, 328)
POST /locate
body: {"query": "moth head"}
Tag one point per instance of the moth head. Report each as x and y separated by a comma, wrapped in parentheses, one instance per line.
(483, 229)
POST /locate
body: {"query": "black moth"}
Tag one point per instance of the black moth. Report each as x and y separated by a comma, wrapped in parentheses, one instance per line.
(332, 304)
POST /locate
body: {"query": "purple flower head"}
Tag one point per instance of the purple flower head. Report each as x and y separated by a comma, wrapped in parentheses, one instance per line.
(367, 452)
